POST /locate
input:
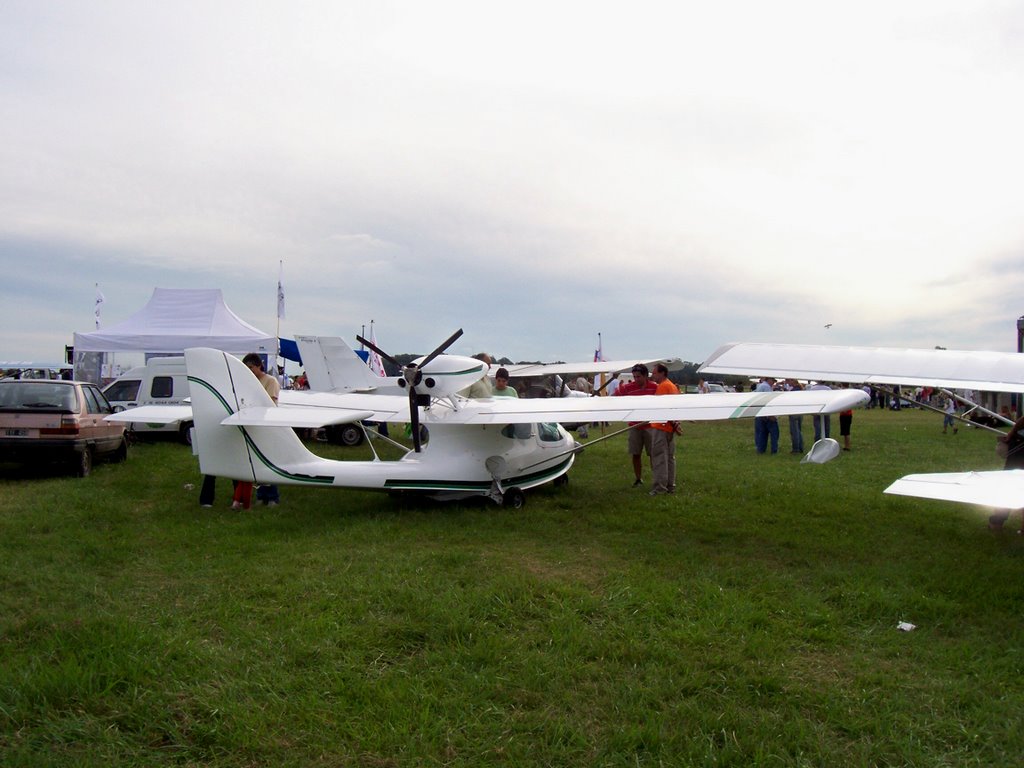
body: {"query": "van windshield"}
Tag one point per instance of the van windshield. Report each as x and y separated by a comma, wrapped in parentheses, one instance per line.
(125, 389)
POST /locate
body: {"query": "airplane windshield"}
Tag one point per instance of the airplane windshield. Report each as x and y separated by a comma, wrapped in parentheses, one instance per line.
(549, 433)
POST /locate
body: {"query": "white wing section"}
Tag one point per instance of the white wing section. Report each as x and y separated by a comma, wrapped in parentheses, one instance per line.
(952, 369)
(332, 366)
(605, 366)
(507, 410)
(152, 414)
(294, 417)
(998, 488)
(316, 409)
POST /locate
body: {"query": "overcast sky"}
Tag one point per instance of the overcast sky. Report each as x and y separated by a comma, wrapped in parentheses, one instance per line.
(673, 175)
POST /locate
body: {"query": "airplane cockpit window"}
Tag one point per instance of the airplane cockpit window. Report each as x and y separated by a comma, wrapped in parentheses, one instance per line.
(548, 433)
(518, 431)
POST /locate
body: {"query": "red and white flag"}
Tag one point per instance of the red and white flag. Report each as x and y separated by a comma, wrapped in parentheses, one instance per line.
(373, 360)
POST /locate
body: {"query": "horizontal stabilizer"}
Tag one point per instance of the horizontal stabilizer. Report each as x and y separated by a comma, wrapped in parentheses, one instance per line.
(152, 414)
(309, 418)
(998, 488)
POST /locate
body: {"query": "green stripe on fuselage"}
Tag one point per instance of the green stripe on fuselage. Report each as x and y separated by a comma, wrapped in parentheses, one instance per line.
(476, 485)
(315, 479)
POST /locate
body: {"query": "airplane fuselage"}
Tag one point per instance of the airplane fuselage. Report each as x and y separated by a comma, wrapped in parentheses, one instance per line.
(457, 460)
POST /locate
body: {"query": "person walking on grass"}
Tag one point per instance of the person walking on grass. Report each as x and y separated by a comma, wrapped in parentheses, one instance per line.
(949, 415)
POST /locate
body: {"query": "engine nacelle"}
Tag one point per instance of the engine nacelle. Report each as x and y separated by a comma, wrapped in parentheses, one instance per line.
(447, 374)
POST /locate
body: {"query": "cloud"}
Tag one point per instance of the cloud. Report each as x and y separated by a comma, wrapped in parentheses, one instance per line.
(672, 175)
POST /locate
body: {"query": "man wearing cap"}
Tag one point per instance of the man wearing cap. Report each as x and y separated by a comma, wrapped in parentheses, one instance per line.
(640, 432)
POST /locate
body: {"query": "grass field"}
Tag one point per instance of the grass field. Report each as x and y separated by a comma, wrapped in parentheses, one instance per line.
(748, 620)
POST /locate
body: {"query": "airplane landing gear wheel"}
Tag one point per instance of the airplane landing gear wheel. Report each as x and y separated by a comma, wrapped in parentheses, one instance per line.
(513, 498)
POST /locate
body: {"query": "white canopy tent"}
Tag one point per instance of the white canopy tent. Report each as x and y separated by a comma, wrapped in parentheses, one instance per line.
(178, 318)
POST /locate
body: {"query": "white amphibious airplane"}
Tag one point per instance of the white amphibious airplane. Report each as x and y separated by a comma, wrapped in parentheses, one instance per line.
(495, 447)
(944, 368)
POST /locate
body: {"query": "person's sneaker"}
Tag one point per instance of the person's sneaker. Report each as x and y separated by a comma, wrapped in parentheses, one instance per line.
(637, 482)
(236, 505)
(271, 503)
(206, 506)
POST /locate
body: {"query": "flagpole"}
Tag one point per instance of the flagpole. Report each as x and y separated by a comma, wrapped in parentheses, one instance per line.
(280, 309)
(100, 298)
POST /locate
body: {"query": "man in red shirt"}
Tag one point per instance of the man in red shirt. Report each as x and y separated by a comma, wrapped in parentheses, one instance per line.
(663, 442)
(640, 432)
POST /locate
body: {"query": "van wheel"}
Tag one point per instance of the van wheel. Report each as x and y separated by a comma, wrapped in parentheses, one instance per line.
(83, 466)
(185, 433)
(345, 434)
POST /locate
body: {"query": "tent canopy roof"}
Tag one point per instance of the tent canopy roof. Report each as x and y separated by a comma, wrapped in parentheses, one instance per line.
(178, 318)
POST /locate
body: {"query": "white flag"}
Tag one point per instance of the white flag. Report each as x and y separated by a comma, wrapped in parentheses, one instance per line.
(280, 292)
(374, 361)
(601, 381)
(100, 298)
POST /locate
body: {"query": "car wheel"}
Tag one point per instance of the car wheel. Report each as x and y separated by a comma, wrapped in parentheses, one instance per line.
(121, 454)
(185, 433)
(83, 466)
(562, 480)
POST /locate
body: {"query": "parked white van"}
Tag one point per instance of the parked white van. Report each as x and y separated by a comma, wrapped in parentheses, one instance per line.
(161, 381)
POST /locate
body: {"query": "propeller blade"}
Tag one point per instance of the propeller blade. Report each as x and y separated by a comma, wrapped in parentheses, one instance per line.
(378, 350)
(440, 349)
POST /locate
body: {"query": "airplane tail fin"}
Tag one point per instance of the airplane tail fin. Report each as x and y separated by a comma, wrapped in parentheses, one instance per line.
(332, 366)
(220, 385)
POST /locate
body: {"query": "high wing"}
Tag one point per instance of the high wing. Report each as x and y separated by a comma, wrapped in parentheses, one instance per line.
(506, 410)
(951, 369)
(998, 488)
(314, 409)
(604, 366)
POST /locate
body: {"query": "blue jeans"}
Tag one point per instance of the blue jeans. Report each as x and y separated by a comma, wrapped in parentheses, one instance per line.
(796, 434)
(766, 428)
(268, 493)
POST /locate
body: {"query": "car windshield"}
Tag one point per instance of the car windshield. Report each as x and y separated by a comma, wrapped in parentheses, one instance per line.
(37, 396)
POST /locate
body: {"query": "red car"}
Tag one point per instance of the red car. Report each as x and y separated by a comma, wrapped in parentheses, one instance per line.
(58, 422)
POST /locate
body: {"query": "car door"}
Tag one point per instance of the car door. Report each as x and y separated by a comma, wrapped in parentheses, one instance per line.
(104, 435)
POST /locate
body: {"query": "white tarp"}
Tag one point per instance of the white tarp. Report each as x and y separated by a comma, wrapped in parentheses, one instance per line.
(176, 319)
